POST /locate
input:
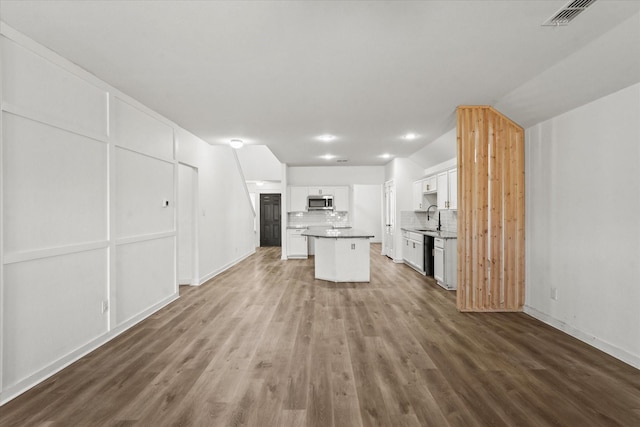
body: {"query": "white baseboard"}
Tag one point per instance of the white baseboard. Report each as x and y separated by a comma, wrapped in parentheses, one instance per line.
(17, 389)
(618, 353)
(225, 267)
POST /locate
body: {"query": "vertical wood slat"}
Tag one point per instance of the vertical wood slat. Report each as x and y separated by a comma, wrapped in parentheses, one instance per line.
(520, 191)
(490, 211)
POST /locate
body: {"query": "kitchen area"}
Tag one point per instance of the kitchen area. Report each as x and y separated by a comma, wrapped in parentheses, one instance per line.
(429, 231)
(318, 224)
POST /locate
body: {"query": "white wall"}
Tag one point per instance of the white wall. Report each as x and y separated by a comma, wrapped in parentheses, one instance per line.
(583, 228)
(85, 170)
(443, 148)
(225, 226)
(335, 175)
(367, 210)
(259, 164)
(403, 172)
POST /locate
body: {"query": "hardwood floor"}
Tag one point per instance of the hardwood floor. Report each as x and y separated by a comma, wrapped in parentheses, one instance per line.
(264, 344)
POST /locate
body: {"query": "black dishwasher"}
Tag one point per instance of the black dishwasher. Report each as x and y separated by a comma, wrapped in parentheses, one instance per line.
(428, 255)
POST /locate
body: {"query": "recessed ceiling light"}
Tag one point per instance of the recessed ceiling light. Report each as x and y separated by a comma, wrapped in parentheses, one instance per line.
(328, 156)
(236, 143)
(410, 136)
(259, 183)
(326, 137)
(385, 155)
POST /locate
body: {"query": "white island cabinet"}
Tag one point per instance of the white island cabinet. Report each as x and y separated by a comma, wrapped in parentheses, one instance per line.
(341, 255)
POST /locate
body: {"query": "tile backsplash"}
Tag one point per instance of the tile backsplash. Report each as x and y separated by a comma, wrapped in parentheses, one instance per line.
(318, 218)
(416, 219)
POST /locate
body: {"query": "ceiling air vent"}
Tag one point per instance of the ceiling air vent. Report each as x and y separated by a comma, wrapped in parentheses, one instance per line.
(568, 12)
(342, 160)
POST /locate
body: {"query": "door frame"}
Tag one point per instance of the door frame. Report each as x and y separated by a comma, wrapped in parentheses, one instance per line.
(388, 219)
(258, 210)
(195, 279)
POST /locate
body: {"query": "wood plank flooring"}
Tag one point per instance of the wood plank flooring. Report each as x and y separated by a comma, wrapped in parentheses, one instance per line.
(264, 344)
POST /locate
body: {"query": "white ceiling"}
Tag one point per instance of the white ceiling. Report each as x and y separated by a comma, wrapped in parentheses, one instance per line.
(282, 73)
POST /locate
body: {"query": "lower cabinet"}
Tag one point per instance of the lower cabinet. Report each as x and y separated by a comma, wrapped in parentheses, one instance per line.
(413, 250)
(445, 262)
(438, 262)
(296, 243)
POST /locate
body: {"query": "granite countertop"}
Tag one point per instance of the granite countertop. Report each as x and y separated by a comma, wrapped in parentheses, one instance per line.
(328, 226)
(434, 233)
(338, 233)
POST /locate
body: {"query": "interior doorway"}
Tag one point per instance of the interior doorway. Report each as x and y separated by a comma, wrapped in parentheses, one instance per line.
(389, 216)
(270, 225)
(187, 225)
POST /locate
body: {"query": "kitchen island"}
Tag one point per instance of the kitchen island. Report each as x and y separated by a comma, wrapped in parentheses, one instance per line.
(341, 254)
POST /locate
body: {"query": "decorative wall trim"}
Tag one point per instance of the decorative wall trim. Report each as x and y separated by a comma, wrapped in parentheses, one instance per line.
(57, 366)
(596, 342)
(144, 237)
(12, 258)
(50, 121)
(151, 156)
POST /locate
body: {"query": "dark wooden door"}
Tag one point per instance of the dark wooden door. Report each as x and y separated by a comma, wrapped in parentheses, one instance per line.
(270, 220)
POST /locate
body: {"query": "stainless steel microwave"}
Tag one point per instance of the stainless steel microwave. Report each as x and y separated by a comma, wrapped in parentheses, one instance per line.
(320, 203)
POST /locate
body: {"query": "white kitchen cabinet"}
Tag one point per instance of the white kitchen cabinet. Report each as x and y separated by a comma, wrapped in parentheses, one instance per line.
(321, 191)
(452, 176)
(341, 198)
(445, 262)
(297, 200)
(413, 250)
(296, 243)
(430, 184)
(447, 183)
(438, 264)
(418, 197)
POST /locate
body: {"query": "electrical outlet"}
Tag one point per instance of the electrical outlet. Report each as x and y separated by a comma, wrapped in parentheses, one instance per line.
(105, 306)
(554, 294)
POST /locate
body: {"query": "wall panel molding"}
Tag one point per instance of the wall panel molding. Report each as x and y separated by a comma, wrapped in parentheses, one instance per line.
(49, 121)
(12, 258)
(144, 237)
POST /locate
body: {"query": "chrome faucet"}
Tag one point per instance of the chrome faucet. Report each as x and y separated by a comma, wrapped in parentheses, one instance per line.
(428, 210)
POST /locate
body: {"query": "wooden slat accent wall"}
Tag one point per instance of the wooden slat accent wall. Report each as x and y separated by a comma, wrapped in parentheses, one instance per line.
(490, 211)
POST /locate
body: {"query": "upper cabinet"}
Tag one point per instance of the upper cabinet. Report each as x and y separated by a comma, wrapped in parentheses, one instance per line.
(447, 183)
(418, 196)
(430, 184)
(440, 189)
(448, 189)
(297, 200)
(453, 188)
(341, 198)
(321, 191)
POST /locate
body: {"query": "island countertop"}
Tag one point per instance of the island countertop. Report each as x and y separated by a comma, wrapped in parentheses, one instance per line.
(338, 233)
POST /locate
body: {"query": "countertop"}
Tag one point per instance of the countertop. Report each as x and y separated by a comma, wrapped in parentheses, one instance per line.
(299, 226)
(338, 233)
(434, 233)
